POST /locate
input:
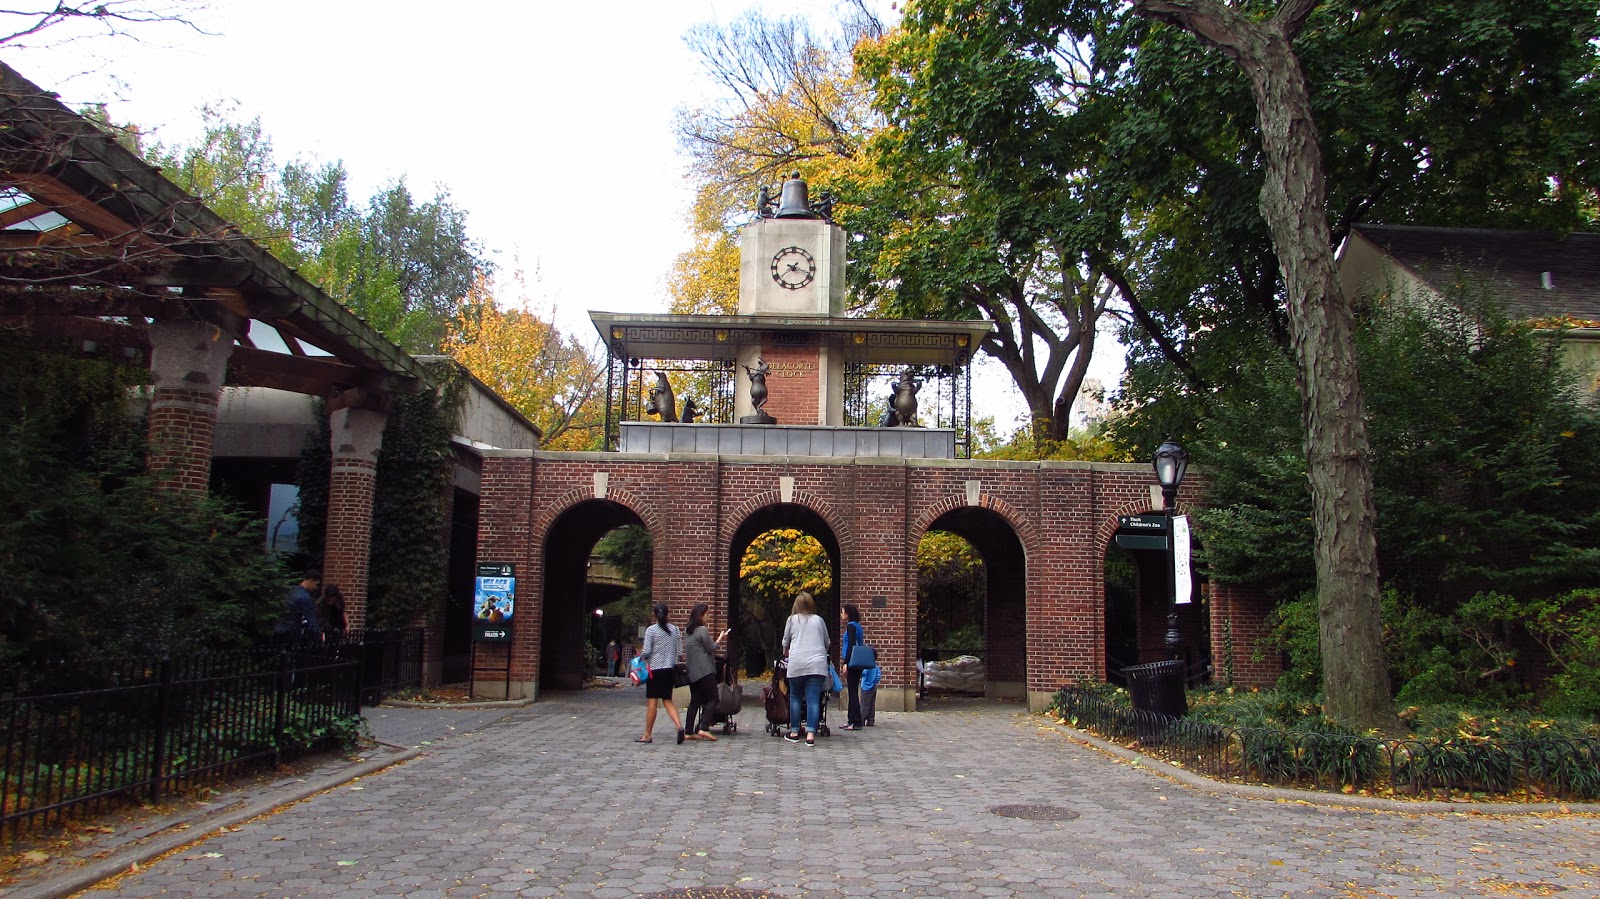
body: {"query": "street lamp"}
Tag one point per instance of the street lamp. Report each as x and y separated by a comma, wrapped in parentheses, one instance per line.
(1171, 462)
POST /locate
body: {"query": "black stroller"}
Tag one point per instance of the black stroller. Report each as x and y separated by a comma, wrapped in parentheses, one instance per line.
(775, 696)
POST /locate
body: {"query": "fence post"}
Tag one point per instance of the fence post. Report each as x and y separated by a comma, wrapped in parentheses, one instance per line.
(280, 710)
(361, 674)
(158, 757)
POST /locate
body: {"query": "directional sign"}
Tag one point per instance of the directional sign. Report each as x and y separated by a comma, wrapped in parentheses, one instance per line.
(1143, 524)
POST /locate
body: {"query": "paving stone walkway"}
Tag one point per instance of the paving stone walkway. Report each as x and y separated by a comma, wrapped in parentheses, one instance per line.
(555, 799)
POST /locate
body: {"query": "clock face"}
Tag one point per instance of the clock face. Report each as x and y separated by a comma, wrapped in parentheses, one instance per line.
(793, 268)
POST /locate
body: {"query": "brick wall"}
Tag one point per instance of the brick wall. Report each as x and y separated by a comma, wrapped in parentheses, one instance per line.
(1057, 518)
(792, 387)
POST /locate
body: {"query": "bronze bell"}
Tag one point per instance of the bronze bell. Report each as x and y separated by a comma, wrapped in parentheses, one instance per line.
(794, 203)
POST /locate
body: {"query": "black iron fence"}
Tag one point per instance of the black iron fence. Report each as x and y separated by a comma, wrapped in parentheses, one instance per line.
(1553, 768)
(76, 738)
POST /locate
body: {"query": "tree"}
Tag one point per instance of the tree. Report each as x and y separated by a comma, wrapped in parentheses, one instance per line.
(58, 22)
(777, 565)
(1180, 162)
(548, 376)
(429, 253)
(1338, 461)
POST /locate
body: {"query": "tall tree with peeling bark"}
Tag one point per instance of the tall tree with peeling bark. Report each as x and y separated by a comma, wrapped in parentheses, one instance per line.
(1294, 206)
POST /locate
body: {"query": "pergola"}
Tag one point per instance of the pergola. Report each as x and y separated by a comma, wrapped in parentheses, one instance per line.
(96, 244)
(101, 253)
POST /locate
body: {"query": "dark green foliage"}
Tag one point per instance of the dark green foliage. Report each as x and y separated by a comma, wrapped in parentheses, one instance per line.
(409, 553)
(411, 506)
(311, 509)
(1477, 486)
(95, 558)
(628, 549)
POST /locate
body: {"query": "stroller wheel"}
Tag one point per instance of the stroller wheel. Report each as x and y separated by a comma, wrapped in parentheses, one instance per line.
(825, 731)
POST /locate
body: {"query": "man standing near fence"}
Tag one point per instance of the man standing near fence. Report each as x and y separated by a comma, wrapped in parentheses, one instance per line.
(299, 619)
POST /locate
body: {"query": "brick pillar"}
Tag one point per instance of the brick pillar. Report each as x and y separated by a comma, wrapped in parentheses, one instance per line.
(188, 363)
(357, 437)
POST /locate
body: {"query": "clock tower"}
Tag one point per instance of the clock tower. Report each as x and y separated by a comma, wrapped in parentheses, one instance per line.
(791, 266)
(791, 258)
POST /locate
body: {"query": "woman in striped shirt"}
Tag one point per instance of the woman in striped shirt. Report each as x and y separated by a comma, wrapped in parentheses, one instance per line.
(663, 644)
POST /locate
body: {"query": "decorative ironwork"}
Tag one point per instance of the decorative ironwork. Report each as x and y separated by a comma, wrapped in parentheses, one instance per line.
(945, 400)
(709, 383)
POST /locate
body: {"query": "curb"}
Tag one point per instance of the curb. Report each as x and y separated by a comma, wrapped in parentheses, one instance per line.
(1312, 797)
(197, 831)
(491, 704)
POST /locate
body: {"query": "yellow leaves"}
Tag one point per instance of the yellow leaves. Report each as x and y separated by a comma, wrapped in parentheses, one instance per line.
(547, 376)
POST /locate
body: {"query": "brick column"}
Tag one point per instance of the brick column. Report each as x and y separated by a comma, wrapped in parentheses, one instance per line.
(357, 437)
(1241, 636)
(188, 363)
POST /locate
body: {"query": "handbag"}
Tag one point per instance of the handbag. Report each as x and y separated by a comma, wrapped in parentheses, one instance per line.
(638, 673)
(680, 675)
(863, 656)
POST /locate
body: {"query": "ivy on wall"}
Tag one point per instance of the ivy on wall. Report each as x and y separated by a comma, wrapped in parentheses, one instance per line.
(411, 505)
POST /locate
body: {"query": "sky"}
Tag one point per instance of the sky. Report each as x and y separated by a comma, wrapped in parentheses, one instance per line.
(549, 123)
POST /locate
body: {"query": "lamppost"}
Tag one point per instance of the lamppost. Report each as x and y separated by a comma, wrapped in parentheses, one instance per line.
(1171, 462)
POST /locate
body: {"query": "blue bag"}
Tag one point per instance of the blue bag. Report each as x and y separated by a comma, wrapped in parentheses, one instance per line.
(638, 672)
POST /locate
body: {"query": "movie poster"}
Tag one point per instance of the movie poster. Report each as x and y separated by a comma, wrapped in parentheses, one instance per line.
(494, 601)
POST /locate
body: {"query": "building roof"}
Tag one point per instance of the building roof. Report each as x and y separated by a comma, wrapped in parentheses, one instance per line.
(95, 243)
(1517, 265)
(873, 340)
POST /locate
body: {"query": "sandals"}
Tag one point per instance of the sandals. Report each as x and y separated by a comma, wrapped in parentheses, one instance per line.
(791, 738)
(680, 736)
(811, 740)
(643, 740)
(705, 735)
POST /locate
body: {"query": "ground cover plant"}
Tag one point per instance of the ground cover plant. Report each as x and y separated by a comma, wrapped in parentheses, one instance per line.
(1283, 738)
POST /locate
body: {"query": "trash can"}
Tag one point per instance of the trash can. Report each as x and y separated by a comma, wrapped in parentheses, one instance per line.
(1157, 692)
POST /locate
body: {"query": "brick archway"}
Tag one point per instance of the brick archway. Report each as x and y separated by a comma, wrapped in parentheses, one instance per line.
(762, 632)
(994, 530)
(564, 611)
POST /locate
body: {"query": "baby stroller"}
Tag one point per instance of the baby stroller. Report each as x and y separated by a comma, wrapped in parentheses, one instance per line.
(730, 698)
(776, 698)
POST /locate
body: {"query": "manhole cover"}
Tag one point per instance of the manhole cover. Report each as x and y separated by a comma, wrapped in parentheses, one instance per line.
(711, 893)
(1035, 812)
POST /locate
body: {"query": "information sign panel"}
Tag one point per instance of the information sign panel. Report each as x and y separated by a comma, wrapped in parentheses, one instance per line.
(494, 601)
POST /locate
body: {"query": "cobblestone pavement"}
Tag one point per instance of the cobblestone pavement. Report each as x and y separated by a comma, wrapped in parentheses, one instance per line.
(556, 799)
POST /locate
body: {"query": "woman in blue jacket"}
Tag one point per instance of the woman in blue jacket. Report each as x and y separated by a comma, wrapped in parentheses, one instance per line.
(851, 636)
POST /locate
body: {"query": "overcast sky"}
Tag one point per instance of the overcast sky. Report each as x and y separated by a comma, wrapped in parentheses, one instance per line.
(549, 123)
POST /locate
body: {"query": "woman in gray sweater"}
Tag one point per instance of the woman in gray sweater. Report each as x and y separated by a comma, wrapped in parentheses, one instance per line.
(805, 644)
(701, 652)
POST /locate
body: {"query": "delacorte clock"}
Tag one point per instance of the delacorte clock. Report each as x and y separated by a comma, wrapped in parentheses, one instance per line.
(793, 268)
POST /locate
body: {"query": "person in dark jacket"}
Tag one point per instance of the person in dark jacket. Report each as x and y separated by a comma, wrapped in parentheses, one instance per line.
(299, 618)
(701, 652)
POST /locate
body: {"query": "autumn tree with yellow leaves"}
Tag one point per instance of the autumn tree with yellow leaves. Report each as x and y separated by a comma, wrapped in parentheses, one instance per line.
(548, 376)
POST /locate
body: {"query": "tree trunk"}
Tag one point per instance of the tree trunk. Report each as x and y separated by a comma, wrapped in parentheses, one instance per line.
(1354, 670)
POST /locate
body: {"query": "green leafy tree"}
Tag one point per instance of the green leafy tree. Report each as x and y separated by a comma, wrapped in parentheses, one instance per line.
(96, 558)
(630, 551)
(777, 565)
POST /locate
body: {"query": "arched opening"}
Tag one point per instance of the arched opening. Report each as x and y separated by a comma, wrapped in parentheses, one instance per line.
(778, 550)
(998, 618)
(569, 624)
(1138, 572)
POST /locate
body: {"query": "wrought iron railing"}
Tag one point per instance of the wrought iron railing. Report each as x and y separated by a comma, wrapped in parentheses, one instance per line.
(77, 738)
(1546, 768)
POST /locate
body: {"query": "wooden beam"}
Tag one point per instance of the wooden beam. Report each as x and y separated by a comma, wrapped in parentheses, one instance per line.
(21, 213)
(324, 377)
(48, 302)
(77, 207)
